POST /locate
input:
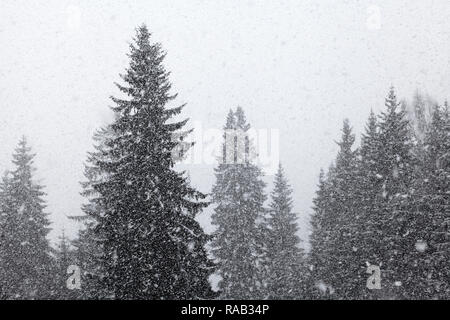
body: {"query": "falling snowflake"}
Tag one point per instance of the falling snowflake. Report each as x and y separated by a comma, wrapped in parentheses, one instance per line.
(421, 245)
(191, 246)
(395, 172)
(324, 288)
(21, 209)
(321, 286)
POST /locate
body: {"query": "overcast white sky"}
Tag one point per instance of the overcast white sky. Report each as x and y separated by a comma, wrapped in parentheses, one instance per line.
(297, 66)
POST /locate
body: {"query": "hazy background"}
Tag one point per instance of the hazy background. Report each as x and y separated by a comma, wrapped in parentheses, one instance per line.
(297, 66)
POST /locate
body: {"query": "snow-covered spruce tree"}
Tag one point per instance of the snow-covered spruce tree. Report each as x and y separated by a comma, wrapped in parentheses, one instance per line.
(152, 246)
(239, 243)
(431, 204)
(396, 164)
(286, 266)
(319, 240)
(346, 268)
(25, 253)
(392, 224)
(399, 218)
(369, 185)
(335, 227)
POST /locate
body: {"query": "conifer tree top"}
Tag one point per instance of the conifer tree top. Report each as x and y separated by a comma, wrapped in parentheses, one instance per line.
(346, 143)
(282, 192)
(23, 158)
(147, 81)
(391, 101)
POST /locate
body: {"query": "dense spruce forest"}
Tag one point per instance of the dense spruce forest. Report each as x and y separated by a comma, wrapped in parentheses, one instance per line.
(379, 228)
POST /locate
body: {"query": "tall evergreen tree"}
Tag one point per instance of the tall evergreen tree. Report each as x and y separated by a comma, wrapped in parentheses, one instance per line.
(396, 166)
(286, 267)
(321, 228)
(152, 246)
(369, 185)
(25, 253)
(335, 270)
(431, 204)
(392, 225)
(344, 273)
(239, 244)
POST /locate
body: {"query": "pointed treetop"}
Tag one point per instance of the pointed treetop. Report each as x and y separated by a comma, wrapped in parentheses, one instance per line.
(391, 100)
(143, 29)
(279, 176)
(321, 176)
(348, 138)
(231, 120)
(369, 139)
(372, 123)
(446, 109)
(146, 79)
(372, 115)
(23, 158)
(241, 121)
(345, 154)
(280, 169)
(22, 146)
(282, 190)
(237, 120)
(236, 127)
(142, 37)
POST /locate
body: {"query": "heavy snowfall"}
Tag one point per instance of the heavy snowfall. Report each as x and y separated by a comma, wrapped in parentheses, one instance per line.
(376, 221)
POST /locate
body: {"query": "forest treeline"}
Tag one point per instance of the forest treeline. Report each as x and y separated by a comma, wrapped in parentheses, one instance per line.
(382, 204)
